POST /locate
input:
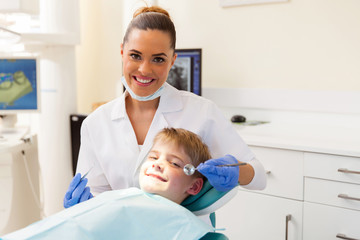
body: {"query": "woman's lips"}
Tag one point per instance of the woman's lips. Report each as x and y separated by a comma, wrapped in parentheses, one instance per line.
(143, 81)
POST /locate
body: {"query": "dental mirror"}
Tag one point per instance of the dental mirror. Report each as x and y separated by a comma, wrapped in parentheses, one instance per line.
(189, 169)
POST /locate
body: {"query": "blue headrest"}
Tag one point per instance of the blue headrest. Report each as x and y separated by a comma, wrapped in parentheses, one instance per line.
(208, 200)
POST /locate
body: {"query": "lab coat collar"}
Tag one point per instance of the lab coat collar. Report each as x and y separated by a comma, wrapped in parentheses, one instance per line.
(170, 101)
(119, 111)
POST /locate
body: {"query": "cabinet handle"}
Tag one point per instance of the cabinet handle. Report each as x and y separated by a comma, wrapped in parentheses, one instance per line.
(344, 170)
(288, 218)
(345, 196)
(343, 236)
(267, 171)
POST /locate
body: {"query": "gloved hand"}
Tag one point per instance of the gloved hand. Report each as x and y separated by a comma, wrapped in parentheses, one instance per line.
(221, 178)
(77, 192)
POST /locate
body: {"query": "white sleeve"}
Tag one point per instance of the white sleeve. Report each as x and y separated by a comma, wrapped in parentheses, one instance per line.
(259, 180)
(88, 160)
(222, 138)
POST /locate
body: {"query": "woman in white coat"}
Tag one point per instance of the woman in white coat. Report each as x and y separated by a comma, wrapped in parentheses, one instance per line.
(116, 138)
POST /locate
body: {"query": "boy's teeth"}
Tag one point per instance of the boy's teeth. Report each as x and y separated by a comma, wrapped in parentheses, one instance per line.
(143, 80)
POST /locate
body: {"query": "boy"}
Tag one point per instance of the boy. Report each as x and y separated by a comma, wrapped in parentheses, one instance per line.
(149, 213)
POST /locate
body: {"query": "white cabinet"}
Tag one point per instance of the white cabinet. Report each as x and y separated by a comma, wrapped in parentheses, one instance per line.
(254, 216)
(327, 222)
(318, 187)
(284, 171)
(274, 213)
(19, 184)
(332, 197)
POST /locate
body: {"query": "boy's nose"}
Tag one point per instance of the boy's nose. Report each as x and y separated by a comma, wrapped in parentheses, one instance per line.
(158, 165)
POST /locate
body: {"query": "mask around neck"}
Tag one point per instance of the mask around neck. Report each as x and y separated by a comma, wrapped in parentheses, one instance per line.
(139, 98)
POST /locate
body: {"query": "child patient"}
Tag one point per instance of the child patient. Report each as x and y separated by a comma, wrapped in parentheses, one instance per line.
(133, 213)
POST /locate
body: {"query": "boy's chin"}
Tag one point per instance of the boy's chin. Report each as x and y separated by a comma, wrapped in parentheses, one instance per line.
(149, 188)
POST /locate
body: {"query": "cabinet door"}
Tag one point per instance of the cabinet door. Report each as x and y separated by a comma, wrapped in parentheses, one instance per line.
(254, 216)
(285, 168)
(6, 186)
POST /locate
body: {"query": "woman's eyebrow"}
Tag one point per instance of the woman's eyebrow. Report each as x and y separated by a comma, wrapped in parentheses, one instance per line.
(159, 55)
(154, 55)
(136, 51)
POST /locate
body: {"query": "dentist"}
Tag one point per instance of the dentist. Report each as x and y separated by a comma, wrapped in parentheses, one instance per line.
(116, 137)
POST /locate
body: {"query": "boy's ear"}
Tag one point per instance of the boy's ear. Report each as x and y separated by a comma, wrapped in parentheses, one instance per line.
(196, 186)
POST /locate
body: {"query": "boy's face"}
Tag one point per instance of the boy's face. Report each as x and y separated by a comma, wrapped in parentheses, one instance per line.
(163, 173)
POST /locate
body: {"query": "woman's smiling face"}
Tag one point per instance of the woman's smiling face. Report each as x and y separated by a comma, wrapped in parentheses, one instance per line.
(147, 59)
(163, 173)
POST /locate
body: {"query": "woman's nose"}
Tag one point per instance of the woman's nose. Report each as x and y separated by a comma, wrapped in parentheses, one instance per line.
(145, 68)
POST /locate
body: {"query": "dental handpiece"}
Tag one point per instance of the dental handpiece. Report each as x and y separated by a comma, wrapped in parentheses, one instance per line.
(189, 169)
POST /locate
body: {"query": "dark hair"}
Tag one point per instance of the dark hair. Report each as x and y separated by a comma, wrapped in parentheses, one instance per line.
(153, 18)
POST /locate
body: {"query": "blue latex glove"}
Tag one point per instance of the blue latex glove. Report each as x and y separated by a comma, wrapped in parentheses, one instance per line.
(77, 192)
(221, 178)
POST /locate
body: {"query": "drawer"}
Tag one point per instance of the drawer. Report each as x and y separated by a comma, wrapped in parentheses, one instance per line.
(327, 192)
(332, 167)
(285, 171)
(326, 222)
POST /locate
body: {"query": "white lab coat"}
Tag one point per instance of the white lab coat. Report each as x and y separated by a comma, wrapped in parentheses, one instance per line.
(108, 141)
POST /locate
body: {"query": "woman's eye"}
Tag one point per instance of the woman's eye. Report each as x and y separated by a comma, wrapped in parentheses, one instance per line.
(135, 56)
(159, 60)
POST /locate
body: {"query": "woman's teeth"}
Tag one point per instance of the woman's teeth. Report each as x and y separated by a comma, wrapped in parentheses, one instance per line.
(143, 80)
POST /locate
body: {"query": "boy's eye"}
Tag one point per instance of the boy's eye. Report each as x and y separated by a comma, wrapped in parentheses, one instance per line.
(159, 60)
(135, 56)
(153, 158)
(175, 164)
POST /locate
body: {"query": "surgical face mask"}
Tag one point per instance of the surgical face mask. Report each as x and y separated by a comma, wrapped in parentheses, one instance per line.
(139, 98)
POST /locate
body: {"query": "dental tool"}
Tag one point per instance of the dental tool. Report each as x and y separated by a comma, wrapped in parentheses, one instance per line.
(82, 178)
(189, 169)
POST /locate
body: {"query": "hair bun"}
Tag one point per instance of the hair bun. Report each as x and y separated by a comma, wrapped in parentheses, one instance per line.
(153, 9)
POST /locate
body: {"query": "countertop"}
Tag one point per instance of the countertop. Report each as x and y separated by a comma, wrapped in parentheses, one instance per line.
(11, 140)
(319, 138)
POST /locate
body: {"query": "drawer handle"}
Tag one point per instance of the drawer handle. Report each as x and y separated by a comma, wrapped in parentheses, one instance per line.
(344, 170)
(267, 171)
(343, 236)
(288, 218)
(345, 196)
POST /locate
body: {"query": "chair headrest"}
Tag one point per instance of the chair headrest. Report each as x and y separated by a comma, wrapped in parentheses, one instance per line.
(208, 200)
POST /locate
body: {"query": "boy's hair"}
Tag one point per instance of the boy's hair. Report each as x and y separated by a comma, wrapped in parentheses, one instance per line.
(191, 143)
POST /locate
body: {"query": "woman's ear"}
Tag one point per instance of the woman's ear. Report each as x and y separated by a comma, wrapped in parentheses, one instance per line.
(173, 59)
(196, 186)
(122, 49)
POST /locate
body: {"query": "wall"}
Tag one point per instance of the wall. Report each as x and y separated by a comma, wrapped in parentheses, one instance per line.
(98, 56)
(298, 45)
(302, 44)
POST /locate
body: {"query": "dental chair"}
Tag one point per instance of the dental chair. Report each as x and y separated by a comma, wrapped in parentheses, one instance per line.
(206, 202)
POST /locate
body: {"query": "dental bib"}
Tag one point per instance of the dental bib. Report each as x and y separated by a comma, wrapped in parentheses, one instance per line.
(139, 98)
(120, 214)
